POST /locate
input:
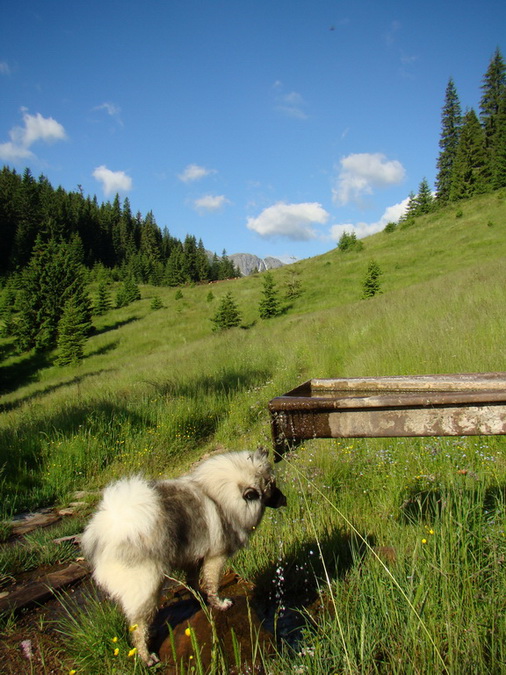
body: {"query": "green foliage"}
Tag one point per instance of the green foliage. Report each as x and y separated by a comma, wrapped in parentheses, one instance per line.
(127, 293)
(7, 306)
(451, 121)
(73, 330)
(348, 242)
(210, 296)
(53, 276)
(227, 314)
(269, 304)
(179, 294)
(156, 302)
(390, 227)
(103, 302)
(371, 284)
(293, 286)
(471, 170)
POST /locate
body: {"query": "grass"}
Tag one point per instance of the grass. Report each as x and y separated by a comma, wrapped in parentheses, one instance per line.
(399, 542)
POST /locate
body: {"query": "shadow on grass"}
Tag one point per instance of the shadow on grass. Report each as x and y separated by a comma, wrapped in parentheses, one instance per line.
(24, 452)
(225, 382)
(115, 326)
(49, 389)
(22, 372)
(285, 588)
(428, 504)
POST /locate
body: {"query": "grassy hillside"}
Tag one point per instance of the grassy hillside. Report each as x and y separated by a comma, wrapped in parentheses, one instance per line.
(158, 389)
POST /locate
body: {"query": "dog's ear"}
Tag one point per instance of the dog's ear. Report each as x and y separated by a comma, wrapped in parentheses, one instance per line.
(261, 453)
(250, 494)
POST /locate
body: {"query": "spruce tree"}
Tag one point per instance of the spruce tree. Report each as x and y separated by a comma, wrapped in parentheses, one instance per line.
(269, 304)
(494, 83)
(103, 303)
(228, 314)
(371, 285)
(424, 199)
(53, 276)
(73, 329)
(471, 171)
(451, 120)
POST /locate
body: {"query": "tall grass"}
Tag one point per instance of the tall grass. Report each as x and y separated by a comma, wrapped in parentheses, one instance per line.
(399, 542)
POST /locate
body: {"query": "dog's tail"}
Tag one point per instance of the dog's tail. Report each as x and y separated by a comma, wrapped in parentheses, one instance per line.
(126, 518)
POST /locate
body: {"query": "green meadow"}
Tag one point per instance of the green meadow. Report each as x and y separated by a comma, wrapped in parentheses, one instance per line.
(398, 545)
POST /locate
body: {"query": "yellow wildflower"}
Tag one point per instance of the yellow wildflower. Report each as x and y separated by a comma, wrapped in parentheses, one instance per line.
(424, 541)
(133, 627)
(116, 651)
(132, 652)
(187, 632)
(115, 639)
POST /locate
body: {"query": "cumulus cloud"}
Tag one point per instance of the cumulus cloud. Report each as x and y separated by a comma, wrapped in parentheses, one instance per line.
(210, 203)
(112, 181)
(294, 221)
(392, 214)
(35, 128)
(194, 172)
(360, 173)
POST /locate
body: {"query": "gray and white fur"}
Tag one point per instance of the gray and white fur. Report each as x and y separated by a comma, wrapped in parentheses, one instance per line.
(144, 529)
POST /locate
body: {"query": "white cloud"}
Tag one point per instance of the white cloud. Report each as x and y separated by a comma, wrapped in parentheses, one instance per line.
(35, 128)
(210, 203)
(194, 172)
(112, 181)
(293, 221)
(291, 104)
(391, 214)
(360, 173)
(112, 110)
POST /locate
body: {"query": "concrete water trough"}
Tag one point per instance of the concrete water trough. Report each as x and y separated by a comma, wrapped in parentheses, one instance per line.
(466, 404)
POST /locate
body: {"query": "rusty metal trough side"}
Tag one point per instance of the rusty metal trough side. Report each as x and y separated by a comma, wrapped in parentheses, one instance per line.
(467, 404)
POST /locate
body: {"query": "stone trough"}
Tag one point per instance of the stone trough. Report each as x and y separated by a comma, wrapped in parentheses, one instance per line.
(468, 404)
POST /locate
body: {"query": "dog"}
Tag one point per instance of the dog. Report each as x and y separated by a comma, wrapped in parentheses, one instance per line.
(144, 529)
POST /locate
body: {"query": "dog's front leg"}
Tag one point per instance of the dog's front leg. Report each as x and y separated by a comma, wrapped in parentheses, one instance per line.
(211, 575)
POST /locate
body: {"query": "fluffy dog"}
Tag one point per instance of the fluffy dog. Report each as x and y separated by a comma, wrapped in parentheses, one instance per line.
(144, 529)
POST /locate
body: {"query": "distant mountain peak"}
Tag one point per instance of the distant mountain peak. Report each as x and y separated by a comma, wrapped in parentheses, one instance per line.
(248, 263)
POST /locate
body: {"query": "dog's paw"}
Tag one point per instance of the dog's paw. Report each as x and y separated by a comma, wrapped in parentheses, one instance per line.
(221, 604)
(152, 660)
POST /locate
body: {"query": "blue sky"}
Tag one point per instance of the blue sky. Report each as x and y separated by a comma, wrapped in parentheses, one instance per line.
(260, 126)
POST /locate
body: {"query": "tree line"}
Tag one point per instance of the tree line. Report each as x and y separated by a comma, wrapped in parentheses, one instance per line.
(472, 157)
(111, 236)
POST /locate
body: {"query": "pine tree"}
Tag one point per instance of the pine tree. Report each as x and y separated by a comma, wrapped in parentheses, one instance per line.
(269, 304)
(73, 329)
(228, 314)
(451, 120)
(103, 303)
(424, 199)
(498, 160)
(471, 170)
(156, 302)
(494, 83)
(371, 284)
(348, 242)
(53, 276)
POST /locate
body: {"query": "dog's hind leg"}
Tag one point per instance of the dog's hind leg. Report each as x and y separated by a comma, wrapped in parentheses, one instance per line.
(211, 575)
(137, 589)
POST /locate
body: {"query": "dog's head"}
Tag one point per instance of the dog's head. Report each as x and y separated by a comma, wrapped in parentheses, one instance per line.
(264, 488)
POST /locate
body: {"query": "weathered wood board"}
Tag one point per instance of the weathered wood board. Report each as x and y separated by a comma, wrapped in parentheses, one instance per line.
(467, 404)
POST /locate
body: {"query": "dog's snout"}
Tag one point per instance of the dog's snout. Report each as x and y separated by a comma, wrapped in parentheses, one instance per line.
(275, 499)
